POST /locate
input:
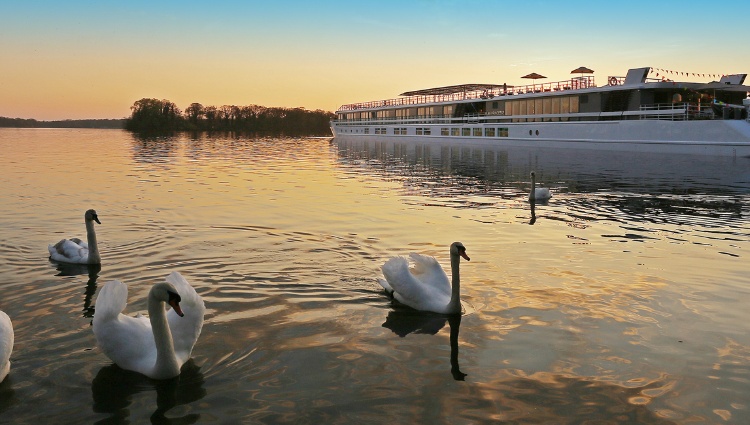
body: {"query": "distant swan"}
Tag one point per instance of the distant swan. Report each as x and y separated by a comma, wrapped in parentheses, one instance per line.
(538, 193)
(75, 250)
(6, 344)
(156, 346)
(426, 286)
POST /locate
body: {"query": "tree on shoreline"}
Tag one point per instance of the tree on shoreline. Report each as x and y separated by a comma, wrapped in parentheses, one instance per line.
(154, 115)
(6, 122)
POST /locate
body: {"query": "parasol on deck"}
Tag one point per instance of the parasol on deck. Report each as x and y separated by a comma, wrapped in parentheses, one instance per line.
(533, 76)
(582, 70)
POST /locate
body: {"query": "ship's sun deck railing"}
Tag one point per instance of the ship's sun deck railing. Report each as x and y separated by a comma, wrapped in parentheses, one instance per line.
(576, 83)
(680, 111)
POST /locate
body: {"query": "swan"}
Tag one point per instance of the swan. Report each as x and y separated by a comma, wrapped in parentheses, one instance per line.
(6, 344)
(538, 193)
(75, 250)
(156, 346)
(426, 286)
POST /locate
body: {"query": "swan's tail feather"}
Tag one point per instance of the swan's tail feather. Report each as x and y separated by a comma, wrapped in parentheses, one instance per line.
(111, 301)
(386, 287)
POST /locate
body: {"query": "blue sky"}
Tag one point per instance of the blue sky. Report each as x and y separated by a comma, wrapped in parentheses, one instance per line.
(94, 59)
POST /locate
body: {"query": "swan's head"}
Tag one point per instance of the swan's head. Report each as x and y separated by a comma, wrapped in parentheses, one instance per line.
(91, 216)
(457, 248)
(533, 174)
(165, 292)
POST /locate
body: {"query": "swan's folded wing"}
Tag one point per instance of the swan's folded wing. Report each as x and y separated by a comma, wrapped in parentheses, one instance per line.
(428, 270)
(185, 330)
(127, 341)
(409, 289)
(68, 251)
(6, 343)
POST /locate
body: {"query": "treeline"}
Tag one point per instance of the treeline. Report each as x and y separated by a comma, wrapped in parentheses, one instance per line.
(154, 115)
(90, 123)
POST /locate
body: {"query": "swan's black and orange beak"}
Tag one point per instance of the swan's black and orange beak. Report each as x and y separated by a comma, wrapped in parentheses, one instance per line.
(174, 301)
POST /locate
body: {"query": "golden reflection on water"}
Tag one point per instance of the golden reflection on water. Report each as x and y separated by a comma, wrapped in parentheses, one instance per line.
(623, 302)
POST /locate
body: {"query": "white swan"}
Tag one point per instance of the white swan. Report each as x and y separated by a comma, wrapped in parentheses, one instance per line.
(6, 344)
(156, 346)
(538, 193)
(426, 286)
(75, 250)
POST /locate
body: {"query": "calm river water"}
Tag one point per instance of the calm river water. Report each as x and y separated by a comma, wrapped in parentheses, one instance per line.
(623, 300)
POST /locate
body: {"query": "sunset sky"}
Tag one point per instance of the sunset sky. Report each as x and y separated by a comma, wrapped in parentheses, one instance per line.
(75, 59)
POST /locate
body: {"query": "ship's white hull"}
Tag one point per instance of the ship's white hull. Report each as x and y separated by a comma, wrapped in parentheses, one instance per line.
(708, 137)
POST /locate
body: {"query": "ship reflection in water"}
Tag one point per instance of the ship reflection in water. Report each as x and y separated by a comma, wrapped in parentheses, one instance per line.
(591, 184)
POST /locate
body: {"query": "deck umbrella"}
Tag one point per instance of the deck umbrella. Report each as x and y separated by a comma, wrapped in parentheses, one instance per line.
(582, 70)
(533, 76)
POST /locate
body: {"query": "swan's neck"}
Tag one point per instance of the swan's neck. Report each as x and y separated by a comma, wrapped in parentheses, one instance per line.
(166, 362)
(532, 194)
(455, 303)
(94, 257)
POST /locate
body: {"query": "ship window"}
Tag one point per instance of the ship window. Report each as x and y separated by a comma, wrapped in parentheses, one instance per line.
(502, 132)
(367, 130)
(574, 104)
(521, 108)
(555, 103)
(454, 131)
(448, 110)
(444, 131)
(427, 131)
(489, 132)
(478, 132)
(565, 105)
(494, 105)
(419, 131)
(425, 111)
(466, 132)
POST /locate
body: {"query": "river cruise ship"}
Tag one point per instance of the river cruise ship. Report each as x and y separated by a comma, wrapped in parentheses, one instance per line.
(633, 112)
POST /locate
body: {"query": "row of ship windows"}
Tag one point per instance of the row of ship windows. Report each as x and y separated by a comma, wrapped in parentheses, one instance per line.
(447, 131)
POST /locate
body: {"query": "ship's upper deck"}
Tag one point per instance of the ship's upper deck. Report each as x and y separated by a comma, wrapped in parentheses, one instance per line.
(635, 79)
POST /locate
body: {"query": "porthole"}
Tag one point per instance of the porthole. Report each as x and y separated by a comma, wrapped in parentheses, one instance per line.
(530, 132)
(537, 132)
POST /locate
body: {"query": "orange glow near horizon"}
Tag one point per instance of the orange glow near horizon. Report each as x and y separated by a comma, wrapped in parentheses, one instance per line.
(78, 62)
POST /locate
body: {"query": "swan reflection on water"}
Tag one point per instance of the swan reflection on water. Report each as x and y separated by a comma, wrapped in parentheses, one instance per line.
(405, 321)
(113, 389)
(92, 270)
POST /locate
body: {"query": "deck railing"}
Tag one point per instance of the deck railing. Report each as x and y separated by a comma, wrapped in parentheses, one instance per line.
(576, 83)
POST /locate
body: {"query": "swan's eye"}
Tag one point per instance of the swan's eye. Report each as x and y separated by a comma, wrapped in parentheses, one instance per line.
(174, 296)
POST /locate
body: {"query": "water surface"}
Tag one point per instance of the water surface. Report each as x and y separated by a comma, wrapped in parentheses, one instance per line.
(621, 300)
